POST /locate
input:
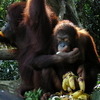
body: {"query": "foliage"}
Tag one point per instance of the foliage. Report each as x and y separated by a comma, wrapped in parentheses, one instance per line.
(3, 9)
(8, 70)
(33, 95)
(3, 46)
(88, 12)
(96, 93)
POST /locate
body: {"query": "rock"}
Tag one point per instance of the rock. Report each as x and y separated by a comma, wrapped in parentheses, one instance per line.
(4, 95)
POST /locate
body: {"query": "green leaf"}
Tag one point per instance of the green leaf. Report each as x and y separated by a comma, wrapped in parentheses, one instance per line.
(29, 99)
(57, 99)
(95, 95)
(34, 95)
(49, 99)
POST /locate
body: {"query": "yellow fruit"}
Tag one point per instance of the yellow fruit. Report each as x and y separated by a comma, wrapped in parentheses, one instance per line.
(84, 96)
(66, 98)
(1, 33)
(76, 94)
(81, 83)
(67, 74)
(65, 83)
(72, 82)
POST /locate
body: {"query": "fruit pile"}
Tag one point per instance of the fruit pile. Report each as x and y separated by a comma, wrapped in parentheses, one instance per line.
(75, 86)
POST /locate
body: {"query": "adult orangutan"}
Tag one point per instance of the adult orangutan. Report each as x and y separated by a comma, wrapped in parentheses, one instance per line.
(12, 25)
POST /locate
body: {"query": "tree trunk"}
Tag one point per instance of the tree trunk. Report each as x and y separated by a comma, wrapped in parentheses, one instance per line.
(65, 9)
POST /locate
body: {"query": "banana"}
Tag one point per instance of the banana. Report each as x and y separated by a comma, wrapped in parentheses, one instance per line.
(68, 81)
(1, 33)
(72, 82)
(65, 83)
(67, 74)
(84, 96)
(81, 83)
(76, 94)
(64, 86)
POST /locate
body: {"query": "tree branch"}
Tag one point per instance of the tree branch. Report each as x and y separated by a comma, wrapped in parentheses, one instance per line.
(8, 54)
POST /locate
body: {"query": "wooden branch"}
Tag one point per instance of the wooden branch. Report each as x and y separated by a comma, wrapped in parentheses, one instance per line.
(7, 54)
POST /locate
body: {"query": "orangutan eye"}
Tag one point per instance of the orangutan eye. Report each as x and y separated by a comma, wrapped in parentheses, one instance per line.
(66, 40)
(58, 39)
